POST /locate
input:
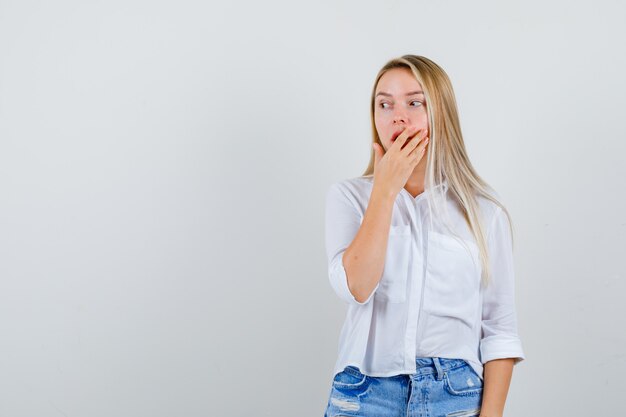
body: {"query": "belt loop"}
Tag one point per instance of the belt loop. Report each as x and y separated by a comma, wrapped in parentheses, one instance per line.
(438, 367)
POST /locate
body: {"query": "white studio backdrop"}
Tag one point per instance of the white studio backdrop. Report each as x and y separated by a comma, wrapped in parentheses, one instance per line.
(163, 169)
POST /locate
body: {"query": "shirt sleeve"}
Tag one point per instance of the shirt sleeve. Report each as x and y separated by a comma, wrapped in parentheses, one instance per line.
(499, 320)
(342, 224)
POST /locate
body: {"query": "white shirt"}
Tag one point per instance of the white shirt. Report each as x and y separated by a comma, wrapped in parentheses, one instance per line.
(429, 301)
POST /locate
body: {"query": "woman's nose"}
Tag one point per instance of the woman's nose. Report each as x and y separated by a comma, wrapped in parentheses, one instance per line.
(400, 117)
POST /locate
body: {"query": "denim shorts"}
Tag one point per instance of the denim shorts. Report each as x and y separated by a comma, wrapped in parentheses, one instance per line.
(440, 387)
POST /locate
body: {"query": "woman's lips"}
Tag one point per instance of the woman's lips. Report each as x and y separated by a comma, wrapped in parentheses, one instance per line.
(398, 133)
(395, 135)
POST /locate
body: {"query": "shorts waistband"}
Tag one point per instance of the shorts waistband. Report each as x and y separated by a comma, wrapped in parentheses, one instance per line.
(436, 365)
(423, 366)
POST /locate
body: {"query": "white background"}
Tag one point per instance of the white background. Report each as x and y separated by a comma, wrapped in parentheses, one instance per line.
(163, 168)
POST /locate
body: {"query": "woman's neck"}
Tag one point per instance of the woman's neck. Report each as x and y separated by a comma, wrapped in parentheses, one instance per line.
(415, 184)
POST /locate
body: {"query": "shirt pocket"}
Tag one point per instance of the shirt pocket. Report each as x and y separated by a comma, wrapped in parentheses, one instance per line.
(452, 281)
(392, 286)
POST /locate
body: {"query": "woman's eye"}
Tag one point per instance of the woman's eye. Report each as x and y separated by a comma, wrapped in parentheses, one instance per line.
(382, 104)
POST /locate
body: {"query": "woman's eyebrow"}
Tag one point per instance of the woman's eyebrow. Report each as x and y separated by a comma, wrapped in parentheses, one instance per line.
(382, 93)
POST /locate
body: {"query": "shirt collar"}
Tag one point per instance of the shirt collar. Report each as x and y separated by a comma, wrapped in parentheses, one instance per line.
(443, 185)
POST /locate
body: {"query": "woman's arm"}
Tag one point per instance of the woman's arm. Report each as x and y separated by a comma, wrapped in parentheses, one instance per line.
(357, 250)
(497, 378)
(500, 345)
(364, 259)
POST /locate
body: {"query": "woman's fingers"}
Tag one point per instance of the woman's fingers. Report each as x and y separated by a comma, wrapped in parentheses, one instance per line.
(402, 138)
(418, 151)
(413, 143)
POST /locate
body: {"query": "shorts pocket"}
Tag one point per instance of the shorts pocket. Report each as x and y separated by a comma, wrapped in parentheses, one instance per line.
(351, 378)
(463, 381)
(452, 283)
(392, 286)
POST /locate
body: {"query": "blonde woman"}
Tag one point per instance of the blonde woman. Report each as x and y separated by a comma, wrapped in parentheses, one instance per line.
(420, 248)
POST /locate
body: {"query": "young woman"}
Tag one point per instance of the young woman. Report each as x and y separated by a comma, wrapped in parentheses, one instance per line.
(421, 250)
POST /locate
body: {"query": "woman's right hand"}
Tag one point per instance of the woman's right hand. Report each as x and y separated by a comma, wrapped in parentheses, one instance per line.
(393, 168)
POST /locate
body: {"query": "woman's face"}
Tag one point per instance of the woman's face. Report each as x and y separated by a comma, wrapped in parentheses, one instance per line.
(398, 103)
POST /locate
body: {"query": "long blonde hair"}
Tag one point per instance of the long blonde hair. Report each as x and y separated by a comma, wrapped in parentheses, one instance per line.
(447, 159)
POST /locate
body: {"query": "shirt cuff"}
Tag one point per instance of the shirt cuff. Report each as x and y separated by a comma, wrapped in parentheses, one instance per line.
(500, 347)
(339, 281)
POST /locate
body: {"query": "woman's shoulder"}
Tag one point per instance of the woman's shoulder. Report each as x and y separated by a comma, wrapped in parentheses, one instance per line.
(491, 206)
(359, 181)
(357, 186)
(355, 190)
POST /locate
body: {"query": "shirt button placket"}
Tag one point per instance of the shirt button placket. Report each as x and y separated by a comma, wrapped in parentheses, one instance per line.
(415, 295)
